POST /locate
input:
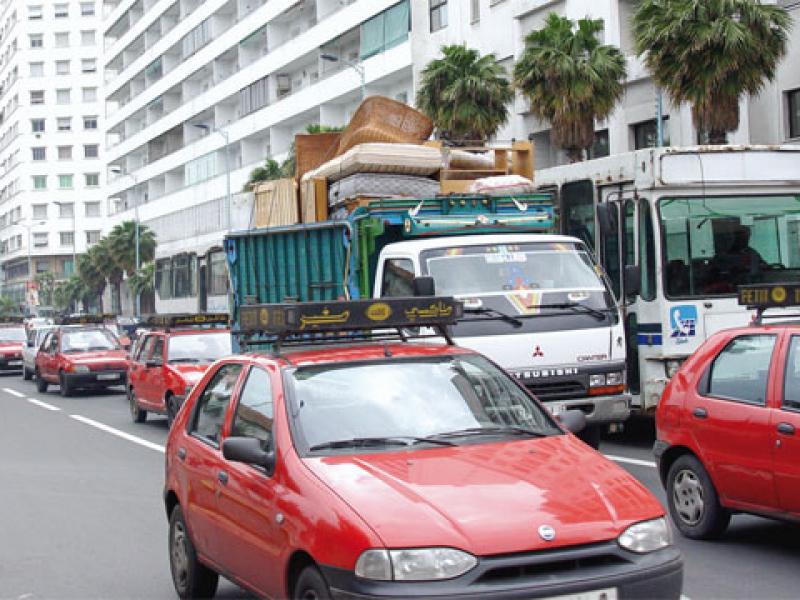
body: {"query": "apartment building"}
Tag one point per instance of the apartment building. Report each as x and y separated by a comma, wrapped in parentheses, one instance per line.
(198, 93)
(51, 144)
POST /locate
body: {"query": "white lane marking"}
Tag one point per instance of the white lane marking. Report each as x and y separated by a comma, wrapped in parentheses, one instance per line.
(13, 392)
(118, 433)
(631, 461)
(44, 405)
(685, 597)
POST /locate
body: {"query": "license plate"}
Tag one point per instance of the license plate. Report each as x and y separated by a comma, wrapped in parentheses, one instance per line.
(606, 594)
(556, 408)
(107, 376)
(15, 363)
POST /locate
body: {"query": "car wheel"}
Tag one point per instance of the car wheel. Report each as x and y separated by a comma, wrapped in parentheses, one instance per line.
(693, 502)
(64, 387)
(172, 410)
(311, 586)
(41, 384)
(137, 414)
(26, 374)
(190, 577)
(591, 435)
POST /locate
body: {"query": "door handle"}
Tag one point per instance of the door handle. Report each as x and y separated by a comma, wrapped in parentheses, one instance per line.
(786, 428)
(182, 453)
(700, 413)
(223, 477)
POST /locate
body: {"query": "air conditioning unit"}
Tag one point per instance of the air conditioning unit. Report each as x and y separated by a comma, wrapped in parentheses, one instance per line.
(283, 83)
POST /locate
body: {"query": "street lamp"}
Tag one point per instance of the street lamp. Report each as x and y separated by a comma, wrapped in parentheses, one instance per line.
(356, 66)
(118, 170)
(225, 136)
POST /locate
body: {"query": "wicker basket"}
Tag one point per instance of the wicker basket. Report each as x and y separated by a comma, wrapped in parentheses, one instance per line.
(314, 149)
(380, 119)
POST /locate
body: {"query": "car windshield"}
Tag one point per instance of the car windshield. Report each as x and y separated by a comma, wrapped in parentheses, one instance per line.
(12, 334)
(455, 398)
(87, 341)
(199, 347)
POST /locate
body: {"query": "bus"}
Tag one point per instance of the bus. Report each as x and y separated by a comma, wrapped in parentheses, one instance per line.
(191, 281)
(677, 230)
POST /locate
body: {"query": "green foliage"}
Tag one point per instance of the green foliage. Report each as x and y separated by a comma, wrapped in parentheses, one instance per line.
(570, 79)
(122, 245)
(69, 293)
(46, 282)
(466, 95)
(144, 280)
(8, 306)
(709, 52)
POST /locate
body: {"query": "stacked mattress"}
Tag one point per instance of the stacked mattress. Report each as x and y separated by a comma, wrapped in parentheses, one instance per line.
(380, 185)
(398, 159)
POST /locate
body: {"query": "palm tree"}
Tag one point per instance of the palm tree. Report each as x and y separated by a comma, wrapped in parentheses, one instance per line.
(710, 52)
(570, 79)
(466, 95)
(122, 245)
(102, 258)
(92, 278)
(45, 281)
(144, 280)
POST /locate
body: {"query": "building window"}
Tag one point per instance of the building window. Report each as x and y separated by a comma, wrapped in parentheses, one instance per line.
(92, 237)
(61, 11)
(37, 96)
(600, 147)
(92, 209)
(438, 10)
(91, 180)
(88, 65)
(39, 182)
(87, 38)
(37, 41)
(645, 134)
(62, 39)
(65, 153)
(40, 240)
(65, 183)
(69, 267)
(40, 211)
(66, 238)
(217, 274)
(65, 209)
(474, 11)
(62, 67)
(385, 30)
(90, 151)
(63, 96)
(37, 125)
(196, 38)
(64, 123)
(35, 12)
(37, 69)
(90, 94)
(87, 9)
(164, 278)
(90, 122)
(42, 266)
(793, 99)
(39, 153)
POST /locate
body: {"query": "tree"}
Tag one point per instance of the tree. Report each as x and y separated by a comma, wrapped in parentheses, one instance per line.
(45, 281)
(122, 245)
(102, 259)
(8, 306)
(144, 280)
(570, 79)
(69, 293)
(92, 278)
(466, 95)
(709, 52)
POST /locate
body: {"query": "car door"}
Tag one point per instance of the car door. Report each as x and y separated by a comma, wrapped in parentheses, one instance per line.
(153, 373)
(730, 421)
(49, 369)
(40, 358)
(138, 368)
(786, 432)
(203, 462)
(252, 535)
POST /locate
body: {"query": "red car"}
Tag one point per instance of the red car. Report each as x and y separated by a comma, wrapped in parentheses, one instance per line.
(168, 361)
(728, 424)
(80, 356)
(12, 340)
(391, 469)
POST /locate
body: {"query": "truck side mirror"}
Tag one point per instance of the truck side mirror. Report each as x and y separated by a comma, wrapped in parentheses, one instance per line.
(633, 280)
(424, 286)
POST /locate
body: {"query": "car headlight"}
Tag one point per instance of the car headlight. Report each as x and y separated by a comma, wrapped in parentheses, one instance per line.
(79, 369)
(414, 564)
(646, 536)
(597, 380)
(672, 366)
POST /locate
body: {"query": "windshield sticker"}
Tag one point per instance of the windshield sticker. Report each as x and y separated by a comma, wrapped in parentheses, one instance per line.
(513, 257)
(526, 303)
(683, 322)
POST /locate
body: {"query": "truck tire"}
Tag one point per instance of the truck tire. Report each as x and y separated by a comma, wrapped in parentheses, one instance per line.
(191, 578)
(41, 384)
(311, 585)
(693, 501)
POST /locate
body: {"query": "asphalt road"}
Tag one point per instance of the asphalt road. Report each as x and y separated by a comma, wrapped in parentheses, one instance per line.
(81, 514)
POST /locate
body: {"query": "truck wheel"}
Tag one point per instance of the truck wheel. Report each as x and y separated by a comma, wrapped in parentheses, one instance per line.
(41, 384)
(311, 586)
(137, 414)
(26, 374)
(191, 578)
(693, 502)
(64, 387)
(591, 435)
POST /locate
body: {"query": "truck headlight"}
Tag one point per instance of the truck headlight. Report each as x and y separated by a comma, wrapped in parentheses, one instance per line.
(414, 564)
(615, 378)
(597, 380)
(647, 536)
(672, 366)
(79, 369)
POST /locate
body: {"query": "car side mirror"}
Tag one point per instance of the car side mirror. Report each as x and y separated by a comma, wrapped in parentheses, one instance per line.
(424, 286)
(152, 364)
(633, 280)
(573, 420)
(248, 450)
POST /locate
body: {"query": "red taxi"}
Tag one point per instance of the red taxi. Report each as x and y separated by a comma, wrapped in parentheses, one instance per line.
(12, 340)
(728, 424)
(171, 358)
(80, 353)
(386, 469)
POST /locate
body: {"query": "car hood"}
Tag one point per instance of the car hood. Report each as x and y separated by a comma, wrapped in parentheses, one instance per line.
(97, 357)
(490, 498)
(190, 372)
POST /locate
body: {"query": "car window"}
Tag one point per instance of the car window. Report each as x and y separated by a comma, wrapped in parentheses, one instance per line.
(398, 276)
(213, 403)
(254, 411)
(145, 347)
(791, 379)
(157, 351)
(53, 347)
(741, 370)
(46, 342)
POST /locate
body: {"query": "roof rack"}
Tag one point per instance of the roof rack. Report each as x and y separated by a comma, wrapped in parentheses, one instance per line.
(84, 319)
(336, 322)
(186, 320)
(760, 297)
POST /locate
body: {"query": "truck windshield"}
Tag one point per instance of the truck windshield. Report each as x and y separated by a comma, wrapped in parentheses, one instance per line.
(714, 244)
(199, 347)
(386, 404)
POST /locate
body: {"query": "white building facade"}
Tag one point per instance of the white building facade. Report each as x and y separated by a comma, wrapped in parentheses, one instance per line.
(52, 201)
(198, 93)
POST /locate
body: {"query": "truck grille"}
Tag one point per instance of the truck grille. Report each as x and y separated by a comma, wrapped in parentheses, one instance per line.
(558, 390)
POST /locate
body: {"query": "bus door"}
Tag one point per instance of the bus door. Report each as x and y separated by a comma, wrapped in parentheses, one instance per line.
(202, 283)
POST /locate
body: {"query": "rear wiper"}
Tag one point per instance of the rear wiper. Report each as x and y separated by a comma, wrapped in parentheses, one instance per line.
(398, 440)
(597, 314)
(489, 431)
(492, 311)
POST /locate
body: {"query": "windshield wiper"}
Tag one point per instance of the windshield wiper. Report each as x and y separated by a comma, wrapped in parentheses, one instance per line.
(497, 313)
(600, 315)
(489, 431)
(188, 359)
(95, 348)
(396, 440)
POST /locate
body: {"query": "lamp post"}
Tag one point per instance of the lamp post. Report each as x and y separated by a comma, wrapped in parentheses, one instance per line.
(356, 66)
(226, 137)
(118, 171)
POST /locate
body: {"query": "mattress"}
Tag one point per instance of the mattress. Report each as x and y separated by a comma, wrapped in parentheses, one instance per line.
(380, 185)
(399, 159)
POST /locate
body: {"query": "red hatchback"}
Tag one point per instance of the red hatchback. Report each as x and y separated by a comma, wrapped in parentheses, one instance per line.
(728, 426)
(12, 339)
(398, 470)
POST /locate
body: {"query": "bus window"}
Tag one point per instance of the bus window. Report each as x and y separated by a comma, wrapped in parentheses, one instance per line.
(577, 210)
(647, 249)
(630, 232)
(611, 252)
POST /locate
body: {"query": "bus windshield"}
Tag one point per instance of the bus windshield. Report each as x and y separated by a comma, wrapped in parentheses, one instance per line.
(714, 244)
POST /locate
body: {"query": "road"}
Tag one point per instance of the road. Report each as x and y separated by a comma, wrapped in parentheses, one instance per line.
(82, 515)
